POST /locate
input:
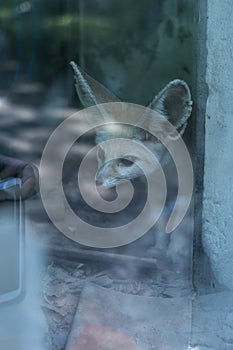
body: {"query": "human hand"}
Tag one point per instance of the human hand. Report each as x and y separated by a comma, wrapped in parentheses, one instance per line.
(11, 167)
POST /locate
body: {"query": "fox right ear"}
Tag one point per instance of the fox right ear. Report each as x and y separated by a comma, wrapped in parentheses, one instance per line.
(89, 91)
(174, 103)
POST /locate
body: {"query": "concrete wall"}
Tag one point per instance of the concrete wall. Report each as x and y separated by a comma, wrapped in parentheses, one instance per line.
(217, 235)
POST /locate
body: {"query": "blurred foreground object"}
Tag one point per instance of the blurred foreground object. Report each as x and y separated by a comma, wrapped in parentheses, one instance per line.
(11, 241)
(28, 173)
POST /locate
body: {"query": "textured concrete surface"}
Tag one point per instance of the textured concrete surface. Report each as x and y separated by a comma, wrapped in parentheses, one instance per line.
(212, 322)
(218, 169)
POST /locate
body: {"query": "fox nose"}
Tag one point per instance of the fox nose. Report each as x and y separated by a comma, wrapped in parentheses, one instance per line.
(99, 181)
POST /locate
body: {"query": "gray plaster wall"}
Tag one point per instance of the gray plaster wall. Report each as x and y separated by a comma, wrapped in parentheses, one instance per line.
(217, 235)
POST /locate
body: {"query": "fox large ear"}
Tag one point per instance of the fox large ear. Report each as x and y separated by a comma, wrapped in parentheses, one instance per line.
(90, 91)
(174, 103)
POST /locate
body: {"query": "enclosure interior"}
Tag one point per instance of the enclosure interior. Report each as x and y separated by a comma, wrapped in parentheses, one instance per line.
(134, 49)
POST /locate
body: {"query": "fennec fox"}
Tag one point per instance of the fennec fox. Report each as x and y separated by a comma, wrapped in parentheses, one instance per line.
(115, 162)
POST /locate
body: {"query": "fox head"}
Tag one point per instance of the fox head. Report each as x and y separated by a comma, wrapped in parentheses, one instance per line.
(120, 160)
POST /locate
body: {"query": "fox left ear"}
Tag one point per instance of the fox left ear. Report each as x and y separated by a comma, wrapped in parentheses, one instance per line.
(174, 103)
(90, 91)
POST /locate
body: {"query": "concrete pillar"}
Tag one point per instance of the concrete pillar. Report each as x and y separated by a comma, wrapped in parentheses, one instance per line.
(217, 233)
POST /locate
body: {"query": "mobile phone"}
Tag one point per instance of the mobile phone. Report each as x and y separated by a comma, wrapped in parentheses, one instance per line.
(11, 241)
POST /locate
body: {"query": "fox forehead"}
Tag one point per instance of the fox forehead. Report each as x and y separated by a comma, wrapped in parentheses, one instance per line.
(119, 147)
(116, 130)
(125, 131)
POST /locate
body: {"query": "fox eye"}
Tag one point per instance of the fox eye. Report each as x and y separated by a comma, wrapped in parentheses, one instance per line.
(101, 154)
(128, 161)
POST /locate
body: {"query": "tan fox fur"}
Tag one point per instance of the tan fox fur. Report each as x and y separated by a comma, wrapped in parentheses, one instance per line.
(117, 163)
